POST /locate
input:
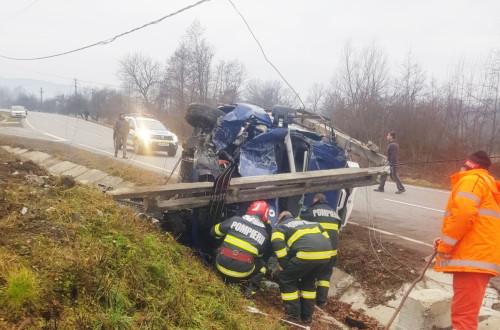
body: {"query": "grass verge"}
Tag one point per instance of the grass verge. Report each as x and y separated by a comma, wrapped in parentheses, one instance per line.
(71, 258)
(106, 164)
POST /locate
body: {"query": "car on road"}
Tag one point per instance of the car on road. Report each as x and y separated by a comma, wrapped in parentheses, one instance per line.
(148, 135)
(18, 111)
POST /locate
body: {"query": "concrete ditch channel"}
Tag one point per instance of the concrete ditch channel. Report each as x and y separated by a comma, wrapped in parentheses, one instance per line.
(81, 174)
(428, 306)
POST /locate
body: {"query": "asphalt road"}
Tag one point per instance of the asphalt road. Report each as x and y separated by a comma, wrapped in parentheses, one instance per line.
(86, 135)
(414, 215)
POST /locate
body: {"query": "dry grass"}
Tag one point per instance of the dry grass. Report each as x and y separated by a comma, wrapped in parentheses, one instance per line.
(77, 260)
(106, 164)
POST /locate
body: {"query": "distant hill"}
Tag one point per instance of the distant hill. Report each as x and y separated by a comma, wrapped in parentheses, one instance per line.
(32, 86)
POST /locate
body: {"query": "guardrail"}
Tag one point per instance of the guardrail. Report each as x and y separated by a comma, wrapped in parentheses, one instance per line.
(199, 194)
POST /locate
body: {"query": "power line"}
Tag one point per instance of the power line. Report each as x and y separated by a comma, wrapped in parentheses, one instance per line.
(106, 41)
(264, 54)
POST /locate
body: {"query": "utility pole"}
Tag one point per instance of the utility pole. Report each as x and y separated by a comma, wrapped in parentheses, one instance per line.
(41, 98)
(76, 81)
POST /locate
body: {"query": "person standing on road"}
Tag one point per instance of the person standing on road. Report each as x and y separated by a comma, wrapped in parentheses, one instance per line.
(304, 251)
(392, 158)
(322, 213)
(120, 134)
(245, 242)
(469, 246)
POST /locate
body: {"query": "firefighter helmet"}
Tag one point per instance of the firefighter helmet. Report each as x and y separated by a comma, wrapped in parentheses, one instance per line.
(260, 209)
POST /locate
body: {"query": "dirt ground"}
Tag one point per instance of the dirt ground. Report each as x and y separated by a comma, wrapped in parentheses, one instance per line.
(270, 302)
(379, 265)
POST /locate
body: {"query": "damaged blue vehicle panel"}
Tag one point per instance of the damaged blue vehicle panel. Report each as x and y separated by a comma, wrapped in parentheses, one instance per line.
(325, 156)
(258, 156)
(227, 132)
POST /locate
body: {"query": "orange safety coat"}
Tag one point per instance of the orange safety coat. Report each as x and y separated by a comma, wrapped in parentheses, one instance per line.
(470, 233)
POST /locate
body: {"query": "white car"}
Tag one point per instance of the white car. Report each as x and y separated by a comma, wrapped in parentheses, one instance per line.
(148, 135)
(18, 111)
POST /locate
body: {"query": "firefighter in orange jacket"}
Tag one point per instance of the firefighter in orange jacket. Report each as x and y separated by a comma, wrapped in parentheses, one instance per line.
(469, 246)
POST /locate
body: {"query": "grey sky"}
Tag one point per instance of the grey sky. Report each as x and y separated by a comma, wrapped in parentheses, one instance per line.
(304, 38)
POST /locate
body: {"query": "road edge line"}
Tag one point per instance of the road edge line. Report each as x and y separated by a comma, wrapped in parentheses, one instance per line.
(414, 205)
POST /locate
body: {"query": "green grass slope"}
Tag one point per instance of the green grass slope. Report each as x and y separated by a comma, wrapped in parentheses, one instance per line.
(77, 260)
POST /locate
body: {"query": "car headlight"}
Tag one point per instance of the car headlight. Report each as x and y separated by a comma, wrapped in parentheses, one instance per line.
(144, 136)
(174, 138)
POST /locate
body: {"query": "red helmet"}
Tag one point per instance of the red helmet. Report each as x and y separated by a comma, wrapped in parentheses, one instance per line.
(260, 209)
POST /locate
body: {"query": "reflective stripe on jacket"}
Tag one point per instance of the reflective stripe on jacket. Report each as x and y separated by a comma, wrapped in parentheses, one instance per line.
(470, 232)
(302, 239)
(326, 216)
(245, 235)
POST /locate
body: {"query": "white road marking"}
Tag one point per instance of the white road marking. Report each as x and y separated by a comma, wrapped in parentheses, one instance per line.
(57, 138)
(391, 234)
(131, 160)
(428, 189)
(414, 205)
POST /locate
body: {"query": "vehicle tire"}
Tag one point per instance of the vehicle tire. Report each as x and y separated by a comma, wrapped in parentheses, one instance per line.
(137, 148)
(203, 116)
(171, 151)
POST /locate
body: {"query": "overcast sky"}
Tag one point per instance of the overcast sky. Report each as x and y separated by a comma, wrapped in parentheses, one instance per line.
(303, 37)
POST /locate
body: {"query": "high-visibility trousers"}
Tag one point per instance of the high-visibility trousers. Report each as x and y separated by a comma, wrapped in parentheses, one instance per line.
(323, 283)
(468, 294)
(298, 286)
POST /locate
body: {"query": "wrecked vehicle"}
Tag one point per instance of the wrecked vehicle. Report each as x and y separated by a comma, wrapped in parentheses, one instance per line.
(240, 153)
(243, 140)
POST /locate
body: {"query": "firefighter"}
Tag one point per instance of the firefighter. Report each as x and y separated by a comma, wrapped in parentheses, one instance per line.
(328, 218)
(245, 241)
(120, 134)
(304, 250)
(469, 246)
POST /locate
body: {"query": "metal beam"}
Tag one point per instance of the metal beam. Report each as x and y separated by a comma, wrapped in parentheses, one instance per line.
(268, 193)
(198, 194)
(194, 188)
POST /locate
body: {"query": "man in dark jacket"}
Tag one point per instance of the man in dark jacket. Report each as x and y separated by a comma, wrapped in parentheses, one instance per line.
(304, 250)
(328, 218)
(120, 134)
(392, 158)
(245, 241)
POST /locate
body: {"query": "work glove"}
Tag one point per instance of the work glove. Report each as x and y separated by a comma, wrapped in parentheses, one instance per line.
(442, 255)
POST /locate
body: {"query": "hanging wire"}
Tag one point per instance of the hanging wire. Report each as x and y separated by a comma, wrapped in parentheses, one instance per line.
(106, 41)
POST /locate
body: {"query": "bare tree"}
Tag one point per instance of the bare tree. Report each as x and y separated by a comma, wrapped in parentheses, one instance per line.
(143, 74)
(362, 86)
(269, 93)
(228, 80)
(201, 56)
(316, 96)
(177, 76)
(411, 83)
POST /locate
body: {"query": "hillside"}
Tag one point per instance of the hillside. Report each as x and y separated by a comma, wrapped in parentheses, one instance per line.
(71, 258)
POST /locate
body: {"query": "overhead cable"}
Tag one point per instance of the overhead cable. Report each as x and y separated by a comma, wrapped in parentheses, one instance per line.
(264, 54)
(106, 41)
